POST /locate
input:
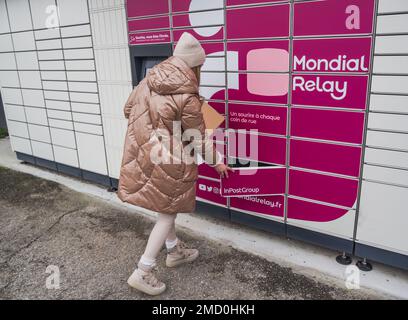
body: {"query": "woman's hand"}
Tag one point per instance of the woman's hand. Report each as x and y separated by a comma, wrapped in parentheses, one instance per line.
(223, 169)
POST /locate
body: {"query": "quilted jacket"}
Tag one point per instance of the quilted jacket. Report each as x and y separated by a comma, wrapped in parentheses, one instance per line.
(168, 95)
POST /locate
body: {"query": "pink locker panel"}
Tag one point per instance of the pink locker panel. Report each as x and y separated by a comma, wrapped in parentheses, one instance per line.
(330, 91)
(325, 157)
(136, 8)
(210, 190)
(219, 35)
(333, 17)
(257, 147)
(246, 182)
(258, 22)
(265, 119)
(314, 186)
(331, 125)
(263, 56)
(269, 205)
(309, 211)
(149, 23)
(327, 55)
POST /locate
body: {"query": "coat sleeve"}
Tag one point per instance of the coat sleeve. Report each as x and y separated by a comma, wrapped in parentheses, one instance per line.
(130, 103)
(192, 118)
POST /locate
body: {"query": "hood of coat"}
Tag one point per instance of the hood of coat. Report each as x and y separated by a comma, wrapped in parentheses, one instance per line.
(172, 76)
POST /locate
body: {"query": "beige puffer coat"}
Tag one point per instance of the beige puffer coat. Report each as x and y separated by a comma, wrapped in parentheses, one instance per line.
(169, 93)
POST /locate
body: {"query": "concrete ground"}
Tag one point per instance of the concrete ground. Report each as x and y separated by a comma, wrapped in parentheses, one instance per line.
(95, 246)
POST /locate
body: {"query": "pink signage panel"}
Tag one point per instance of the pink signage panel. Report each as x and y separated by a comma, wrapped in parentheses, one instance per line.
(331, 125)
(330, 91)
(210, 190)
(258, 22)
(263, 56)
(150, 23)
(332, 55)
(258, 148)
(334, 190)
(325, 157)
(339, 17)
(149, 37)
(245, 182)
(269, 205)
(308, 211)
(264, 119)
(185, 5)
(137, 8)
(207, 171)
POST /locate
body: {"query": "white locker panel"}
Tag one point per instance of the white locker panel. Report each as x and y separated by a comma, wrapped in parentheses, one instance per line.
(39, 133)
(83, 86)
(388, 122)
(84, 97)
(52, 65)
(27, 60)
(391, 44)
(383, 217)
(212, 79)
(390, 24)
(85, 107)
(46, 34)
(113, 98)
(389, 103)
(81, 76)
(9, 79)
(33, 98)
(76, 31)
(391, 64)
(12, 96)
(88, 128)
(73, 12)
(49, 44)
(86, 53)
(80, 65)
(390, 140)
(7, 61)
(42, 150)
(56, 123)
(64, 138)
(6, 43)
(36, 116)
(50, 55)
(15, 112)
(396, 159)
(30, 79)
(390, 84)
(66, 156)
(24, 41)
(56, 95)
(21, 145)
(87, 118)
(118, 71)
(55, 85)
(391, 6)
(80, 42)
(59, 105)
(53, 75)
(41, 12)
(18, 129)
(91, 151)
(19, 15)
(214, 64)
(58, 114)
(4, 24)
(386, 175)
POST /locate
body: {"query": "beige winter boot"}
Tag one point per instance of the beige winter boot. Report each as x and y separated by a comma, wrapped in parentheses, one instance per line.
(180, 254)
(143, 279)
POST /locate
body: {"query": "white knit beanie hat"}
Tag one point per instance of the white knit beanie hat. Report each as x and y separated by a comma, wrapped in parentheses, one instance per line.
(190, 50)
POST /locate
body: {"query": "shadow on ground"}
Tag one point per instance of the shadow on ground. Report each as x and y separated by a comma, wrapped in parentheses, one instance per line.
(95, 247)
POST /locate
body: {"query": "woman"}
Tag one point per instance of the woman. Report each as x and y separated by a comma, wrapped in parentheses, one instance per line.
(155, 173)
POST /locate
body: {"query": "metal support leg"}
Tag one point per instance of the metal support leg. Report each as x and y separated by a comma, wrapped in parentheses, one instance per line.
(364, 265)
(344, 259)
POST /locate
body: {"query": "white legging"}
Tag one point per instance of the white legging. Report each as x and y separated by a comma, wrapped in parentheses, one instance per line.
(163, 230)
